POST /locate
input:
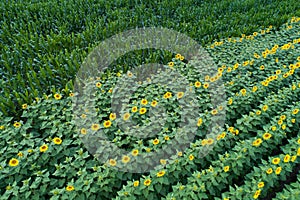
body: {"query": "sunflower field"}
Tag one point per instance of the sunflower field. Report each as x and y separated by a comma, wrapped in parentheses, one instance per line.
(245, 144)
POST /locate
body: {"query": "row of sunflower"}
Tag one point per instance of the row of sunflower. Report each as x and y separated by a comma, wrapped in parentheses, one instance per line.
(240, 160)
(266, 175)
(192, 159)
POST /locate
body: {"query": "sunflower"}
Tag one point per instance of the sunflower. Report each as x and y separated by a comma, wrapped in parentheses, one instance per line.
(204, 142)
(273, 128)
(83, 116)
(17, 124)
(129, 74)
(107, 124)
(180, 95)
(143, 111)
(260, 184)
(197, 84)
(269, 171)
(293, 158)
(295, 111)
(44, 148)
(210, 141)
(205, 85)
(70, 188)
(163, 161)
(276, 161)
(226, 168)
(95, 127)
(265, 107)
(126, 116)
(206, 78)
(278, 72)
(135, 152)
(167, 138)
(112, 116)
(280, 122)
(282, 117)
(267, 136)
(254, 88)
(283, 127)
(153, 103)
(13, 162)
(231, 129)
(167, 95)
(191, 157)
(125, 159)
(156, 141)
(136, 183)
(179, 153)
(181, 58)
(230, 101)
(278, 170)
(223, 135)
(57, 140)
(199, 122)
(147, 182)
(20, 154)
(237, 131)
(24, 106)
(134, 109)
(83, 131)
(98, 84)
(286, 158)
(161, 173)
(171, 64)
(57, 96)
(256, 195)
(144, 102)
(112, 162)
(243, 91)
(71, 94)
(258, 112)
(257, 142)
(214, 112)
(177, 56)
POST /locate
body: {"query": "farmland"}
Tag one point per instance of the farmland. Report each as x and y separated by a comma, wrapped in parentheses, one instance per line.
(244, 138)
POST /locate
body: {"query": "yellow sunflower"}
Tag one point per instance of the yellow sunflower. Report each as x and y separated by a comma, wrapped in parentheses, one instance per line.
(125, 159)
(13, 162)
(112, 116)
(276, 161)
(57, 96)
(153, 103)
(226, 168)
(134, 109)
(44, 148)
(107, 124)
(160, 174)
(143, 111)
(70, 188)
(95, 127)
(57, 140)
(147, 182)
(156, 141)
(17, 124)
(197, 84)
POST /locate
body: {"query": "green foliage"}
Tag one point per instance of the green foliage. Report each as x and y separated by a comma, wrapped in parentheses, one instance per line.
(44, 43)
